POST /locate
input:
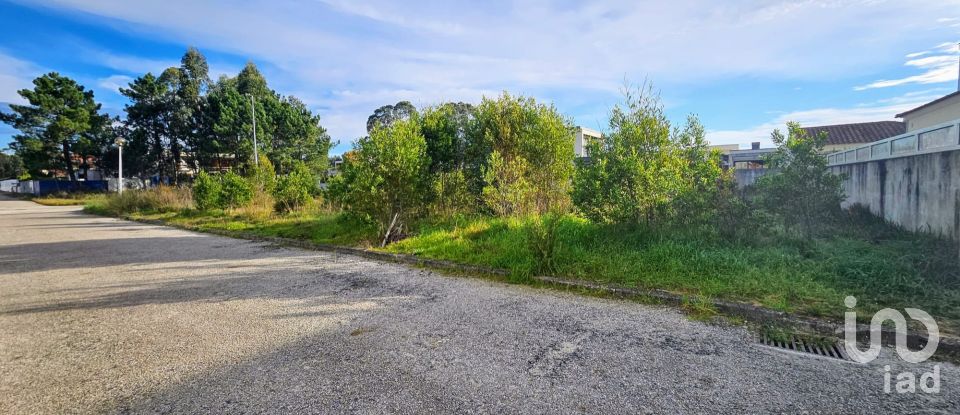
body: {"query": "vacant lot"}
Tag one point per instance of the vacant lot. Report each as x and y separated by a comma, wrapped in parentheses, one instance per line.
(103, 315)
(882, 266)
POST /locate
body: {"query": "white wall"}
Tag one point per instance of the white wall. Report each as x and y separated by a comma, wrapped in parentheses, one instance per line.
(584, 135)
(939, 113)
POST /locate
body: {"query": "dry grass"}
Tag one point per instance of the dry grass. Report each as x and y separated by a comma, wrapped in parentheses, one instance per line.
(157, 199)
(259, 208)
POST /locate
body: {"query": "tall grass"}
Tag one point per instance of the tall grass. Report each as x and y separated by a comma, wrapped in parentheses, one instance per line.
(881, 265)
(157, 199)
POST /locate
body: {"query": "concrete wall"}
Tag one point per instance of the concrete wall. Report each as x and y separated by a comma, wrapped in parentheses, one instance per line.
(938, 113)
(747, 177)
(919, 192)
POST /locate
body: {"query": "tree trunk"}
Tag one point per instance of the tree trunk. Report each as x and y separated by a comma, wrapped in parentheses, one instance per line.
(67, 160)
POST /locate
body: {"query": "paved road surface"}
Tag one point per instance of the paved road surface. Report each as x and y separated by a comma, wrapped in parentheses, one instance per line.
(103, 315)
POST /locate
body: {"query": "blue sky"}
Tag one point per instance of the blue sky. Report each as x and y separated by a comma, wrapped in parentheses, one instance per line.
(744, 67)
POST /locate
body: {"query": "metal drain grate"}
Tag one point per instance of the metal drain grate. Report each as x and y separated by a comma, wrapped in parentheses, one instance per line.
(794, 343)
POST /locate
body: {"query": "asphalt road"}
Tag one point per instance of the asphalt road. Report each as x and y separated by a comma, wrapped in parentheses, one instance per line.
(103, 315)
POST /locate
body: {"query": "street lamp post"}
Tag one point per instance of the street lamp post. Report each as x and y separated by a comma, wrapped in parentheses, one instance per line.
(120, 142)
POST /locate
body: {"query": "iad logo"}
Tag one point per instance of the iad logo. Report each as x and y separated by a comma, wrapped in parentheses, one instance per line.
(906, 381)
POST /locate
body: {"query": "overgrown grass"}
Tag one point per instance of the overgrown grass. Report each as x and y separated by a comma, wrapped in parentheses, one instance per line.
(881, 265)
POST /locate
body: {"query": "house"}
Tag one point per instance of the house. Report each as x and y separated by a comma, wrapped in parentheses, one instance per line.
(938, 111)
(841, 137)
(583, 137)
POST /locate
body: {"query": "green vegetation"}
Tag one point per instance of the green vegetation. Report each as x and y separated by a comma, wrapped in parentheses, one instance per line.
(879, 264)
(494, 185)
(384, 179)
(70, 199)
(11, 166)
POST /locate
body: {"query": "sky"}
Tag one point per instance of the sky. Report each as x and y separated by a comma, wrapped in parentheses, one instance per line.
(743, 67)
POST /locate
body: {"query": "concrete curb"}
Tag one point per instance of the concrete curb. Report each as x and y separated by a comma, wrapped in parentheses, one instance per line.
(949, 346)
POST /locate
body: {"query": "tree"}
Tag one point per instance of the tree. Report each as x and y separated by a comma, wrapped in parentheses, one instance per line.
(228, 115)
(10, 166)
(446, 129)
(803, 192)
(59, 112)
(187, 126)
(640, 169)
(388, 114)
(525, 133)
(295, 189)
(149, 120)
(384, 178)
(251, 82)
(298, 136)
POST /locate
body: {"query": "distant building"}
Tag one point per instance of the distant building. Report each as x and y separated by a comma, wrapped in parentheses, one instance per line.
(583, 137)
(845, 136)
(938, 111)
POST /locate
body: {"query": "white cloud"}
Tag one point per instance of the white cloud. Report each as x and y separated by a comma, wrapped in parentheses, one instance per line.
(942, 64)
(435, 48)
(16, 74)
(114, 82)
(130, 64)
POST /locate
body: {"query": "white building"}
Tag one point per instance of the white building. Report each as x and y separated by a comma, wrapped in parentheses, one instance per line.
(584, 135)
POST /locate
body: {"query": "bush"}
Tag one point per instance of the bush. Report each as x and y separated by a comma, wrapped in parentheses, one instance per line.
(522, 134)
(803, 192)
(295, 190)
(451, 194)
(235, 191)
(206, 191)
(262, 176)
(508, 193)
(385, 176)
(644, 171)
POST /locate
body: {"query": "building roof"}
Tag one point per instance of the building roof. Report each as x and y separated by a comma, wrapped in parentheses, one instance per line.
(936, 101)
(864, 132)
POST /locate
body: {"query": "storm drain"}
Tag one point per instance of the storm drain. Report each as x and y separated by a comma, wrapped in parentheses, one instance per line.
(799, 344)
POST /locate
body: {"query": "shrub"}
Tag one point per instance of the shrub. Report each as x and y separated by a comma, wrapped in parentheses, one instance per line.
(234, 191)
(803, 192)
(206, 191)
(296, 189)
(508, 192)
(384, 177)
(262, 176)
(451, 194)
(528, 135)
(644, 171)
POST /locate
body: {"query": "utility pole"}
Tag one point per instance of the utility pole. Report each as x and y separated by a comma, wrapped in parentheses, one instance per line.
(253, 114)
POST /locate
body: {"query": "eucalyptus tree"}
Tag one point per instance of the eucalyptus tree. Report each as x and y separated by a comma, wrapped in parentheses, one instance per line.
(388, 114)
